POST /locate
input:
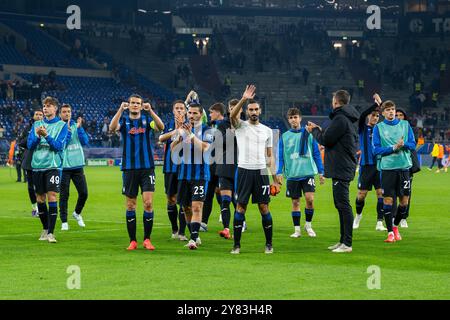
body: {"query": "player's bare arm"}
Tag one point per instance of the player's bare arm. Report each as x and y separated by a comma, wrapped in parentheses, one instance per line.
(179, 120)
(114, 125)
(249, 93)
(159, 125)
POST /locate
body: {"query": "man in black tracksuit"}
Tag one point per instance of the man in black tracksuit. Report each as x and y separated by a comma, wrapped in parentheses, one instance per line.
(26, 162)
(340, 140)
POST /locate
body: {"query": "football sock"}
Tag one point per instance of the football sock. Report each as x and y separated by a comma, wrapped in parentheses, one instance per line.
(388, 216)
(309, 214)
(43, 215)
(401, 213)
(296, 218)
(225, 211)
(131, 224)
(172, 212)
(182, 218)
(52, 216)
(148, 224)
(237, 228)
(267, 224)
(359, 206)
(380, 214)
(195, 227)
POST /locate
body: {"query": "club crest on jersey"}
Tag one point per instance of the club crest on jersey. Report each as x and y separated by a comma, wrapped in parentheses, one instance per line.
(144, 122)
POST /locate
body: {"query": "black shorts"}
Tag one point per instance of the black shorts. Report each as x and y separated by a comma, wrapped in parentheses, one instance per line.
(395, 183)
(171, 183)
(226, 183)
(294, 189)
(369, 176)
(133, 179)
(48, 180)
(191, 190)
(255, 183)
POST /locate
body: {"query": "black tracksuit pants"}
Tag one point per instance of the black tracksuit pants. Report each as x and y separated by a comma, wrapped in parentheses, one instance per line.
(341, 196)
(79, 180)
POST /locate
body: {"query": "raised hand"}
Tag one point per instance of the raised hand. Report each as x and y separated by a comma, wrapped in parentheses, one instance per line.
(178, 121)
(79, 122)
(377, 99)
(124, 106)
(147, 106)
(249, 92)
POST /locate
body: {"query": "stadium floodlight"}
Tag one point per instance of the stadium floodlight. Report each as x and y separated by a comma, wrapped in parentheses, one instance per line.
(142, 10)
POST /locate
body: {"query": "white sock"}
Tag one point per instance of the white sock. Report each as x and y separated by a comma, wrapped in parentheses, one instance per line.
(297, 229)
(307, 225)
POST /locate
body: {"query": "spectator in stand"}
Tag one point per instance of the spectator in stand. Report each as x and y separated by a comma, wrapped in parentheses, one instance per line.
(305, 73)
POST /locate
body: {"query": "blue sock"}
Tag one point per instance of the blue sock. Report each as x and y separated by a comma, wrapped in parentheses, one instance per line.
(387, 208)
(52, 216)
(237, 228)
(309, 214)
(380, 209)
(296, 218)
(148, 224)
(131, 224)
(225, 211)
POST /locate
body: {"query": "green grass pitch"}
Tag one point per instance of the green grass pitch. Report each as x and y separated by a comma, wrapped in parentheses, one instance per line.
(416, 268)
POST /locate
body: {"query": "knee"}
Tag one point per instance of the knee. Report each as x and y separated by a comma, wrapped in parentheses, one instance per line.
(187, 211)
(131, 204)
(51, 196)
(362, 195)
(263, 208)
(388, 201)
(171, 200)
(197, 207)
(241, 208)
(148, 205)
(404, 202)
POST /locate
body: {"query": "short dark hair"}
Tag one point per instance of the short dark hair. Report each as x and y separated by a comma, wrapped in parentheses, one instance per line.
(219, 107)
(66, 105)
(387, 104)
(233, 102)
(342, 97)
(196, 105)
(176, 102)
(51, 100)
(294, 112)
(37, 110)
(252, 101)
(135, 95)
